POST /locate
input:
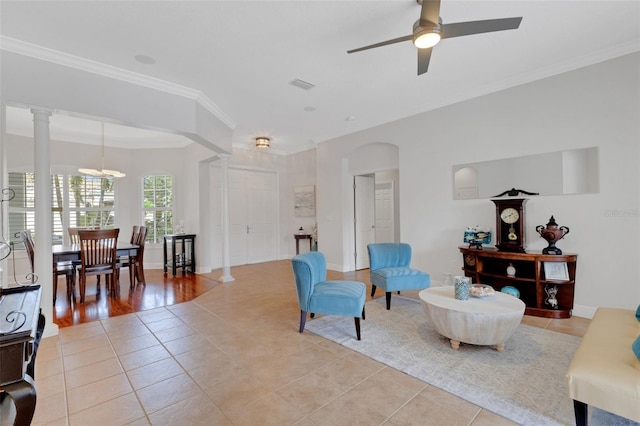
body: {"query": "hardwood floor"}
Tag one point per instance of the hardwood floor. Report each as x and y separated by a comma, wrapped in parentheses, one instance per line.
(160, 290)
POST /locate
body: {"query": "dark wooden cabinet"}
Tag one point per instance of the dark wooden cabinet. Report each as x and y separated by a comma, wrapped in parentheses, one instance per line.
(489, 266)
(21, 327)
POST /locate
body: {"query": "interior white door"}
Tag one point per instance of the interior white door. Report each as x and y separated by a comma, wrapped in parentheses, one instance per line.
(364, 195)
(215, 216)
(252, 216)
(261, 216)
(384, 212)
(238, 226)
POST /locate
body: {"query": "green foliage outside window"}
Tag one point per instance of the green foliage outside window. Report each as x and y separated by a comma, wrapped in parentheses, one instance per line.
(158, 206)
(91, 202)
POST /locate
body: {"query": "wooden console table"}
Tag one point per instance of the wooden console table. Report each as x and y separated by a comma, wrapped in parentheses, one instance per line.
(489, 266)
(183, 253)
(299, 237)
(21, 327)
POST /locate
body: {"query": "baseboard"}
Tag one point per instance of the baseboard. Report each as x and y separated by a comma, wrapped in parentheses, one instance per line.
(583, 311)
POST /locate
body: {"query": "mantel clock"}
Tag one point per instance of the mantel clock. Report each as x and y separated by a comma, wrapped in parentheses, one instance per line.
(510, 224)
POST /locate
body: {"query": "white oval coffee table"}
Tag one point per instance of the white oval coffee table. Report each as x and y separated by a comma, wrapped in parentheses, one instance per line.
(479, 321)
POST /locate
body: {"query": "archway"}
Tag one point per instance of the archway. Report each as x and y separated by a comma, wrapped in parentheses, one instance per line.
(370, 165)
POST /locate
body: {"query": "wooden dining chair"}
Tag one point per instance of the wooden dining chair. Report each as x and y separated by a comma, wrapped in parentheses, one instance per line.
(62, 268)
(74, 239)
(140, 242)
(73, 233)
(134, 262)
(98, 256)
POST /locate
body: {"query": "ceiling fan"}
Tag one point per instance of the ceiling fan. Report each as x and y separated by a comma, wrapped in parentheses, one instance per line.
(429, 30)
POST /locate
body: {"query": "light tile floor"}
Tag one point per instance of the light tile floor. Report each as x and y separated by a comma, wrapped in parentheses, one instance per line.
(233, 356)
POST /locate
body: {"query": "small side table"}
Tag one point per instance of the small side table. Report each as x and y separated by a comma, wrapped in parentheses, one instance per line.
(184, 256)
(299, 237)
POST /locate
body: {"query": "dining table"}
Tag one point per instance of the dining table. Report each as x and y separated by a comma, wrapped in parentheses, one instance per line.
(71, 252)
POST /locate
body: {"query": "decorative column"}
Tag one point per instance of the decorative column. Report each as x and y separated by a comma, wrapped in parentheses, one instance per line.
(43, 263)
(226, 256)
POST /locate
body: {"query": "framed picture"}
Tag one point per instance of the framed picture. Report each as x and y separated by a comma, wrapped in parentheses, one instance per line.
(304, 199)
(556, 271)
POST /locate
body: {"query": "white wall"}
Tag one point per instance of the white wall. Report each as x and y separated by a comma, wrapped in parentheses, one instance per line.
(594, 106)
(301, 171)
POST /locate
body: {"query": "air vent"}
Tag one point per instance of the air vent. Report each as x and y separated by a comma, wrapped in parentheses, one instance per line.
(302, 84)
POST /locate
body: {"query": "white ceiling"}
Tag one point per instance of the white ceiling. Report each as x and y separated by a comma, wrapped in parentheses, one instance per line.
(242, 55)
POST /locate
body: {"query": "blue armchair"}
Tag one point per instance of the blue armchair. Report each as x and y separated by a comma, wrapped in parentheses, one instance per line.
(389, 269)
(316, 295)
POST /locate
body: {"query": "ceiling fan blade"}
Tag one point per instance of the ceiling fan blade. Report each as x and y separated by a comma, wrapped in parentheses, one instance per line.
(477, 27)
(424, 56)
(430, 11)
(382, 43)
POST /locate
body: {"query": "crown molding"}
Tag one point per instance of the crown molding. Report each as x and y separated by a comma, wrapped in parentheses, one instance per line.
(43, 53)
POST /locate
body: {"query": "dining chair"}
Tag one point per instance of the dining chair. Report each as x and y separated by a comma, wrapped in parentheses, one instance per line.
(140, 242)
(73, 233)
(75, 240)
(128, 261)
(98, 256)
(62, 268)
(135, 262)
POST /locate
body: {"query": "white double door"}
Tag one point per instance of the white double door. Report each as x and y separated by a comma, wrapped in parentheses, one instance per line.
(253, 213)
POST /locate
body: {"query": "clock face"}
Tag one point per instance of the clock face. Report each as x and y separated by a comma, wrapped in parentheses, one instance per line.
(509, 215)
(470, 260)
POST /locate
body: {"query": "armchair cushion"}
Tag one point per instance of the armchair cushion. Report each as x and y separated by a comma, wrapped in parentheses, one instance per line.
(338, 298)
(398, 279)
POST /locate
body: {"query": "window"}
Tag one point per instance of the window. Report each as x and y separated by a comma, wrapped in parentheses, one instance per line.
(91, 202)
(22, 208)
(158, 206)
(83, 201)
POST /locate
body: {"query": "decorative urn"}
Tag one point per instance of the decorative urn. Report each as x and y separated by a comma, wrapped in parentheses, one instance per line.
(552, 233)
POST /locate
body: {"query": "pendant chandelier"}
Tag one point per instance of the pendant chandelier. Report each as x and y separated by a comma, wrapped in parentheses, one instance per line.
(102, 173)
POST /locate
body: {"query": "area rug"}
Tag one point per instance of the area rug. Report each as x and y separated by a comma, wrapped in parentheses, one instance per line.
(525, 383)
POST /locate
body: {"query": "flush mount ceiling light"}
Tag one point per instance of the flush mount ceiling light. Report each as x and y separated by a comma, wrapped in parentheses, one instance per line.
(102, 173)
(263, 142)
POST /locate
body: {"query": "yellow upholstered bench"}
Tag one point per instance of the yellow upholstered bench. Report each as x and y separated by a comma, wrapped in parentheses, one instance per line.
(604, 371)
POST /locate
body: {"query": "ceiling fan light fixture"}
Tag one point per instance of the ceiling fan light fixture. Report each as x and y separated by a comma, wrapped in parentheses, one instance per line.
(426, 34)
(426, 40)
(263, 142)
